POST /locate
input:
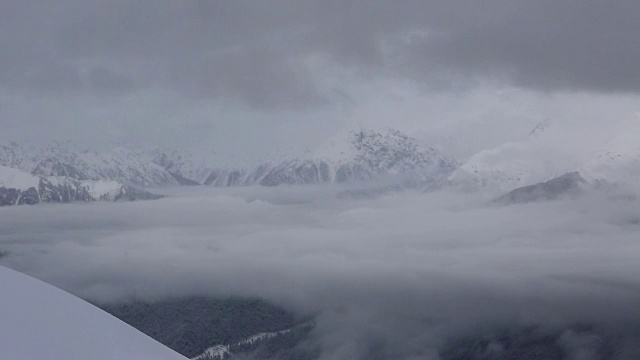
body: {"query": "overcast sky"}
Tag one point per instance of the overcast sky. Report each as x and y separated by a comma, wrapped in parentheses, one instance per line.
(246, 75)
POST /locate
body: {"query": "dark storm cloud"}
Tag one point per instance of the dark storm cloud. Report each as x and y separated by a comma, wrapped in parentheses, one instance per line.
(568, 45)
(260, 52)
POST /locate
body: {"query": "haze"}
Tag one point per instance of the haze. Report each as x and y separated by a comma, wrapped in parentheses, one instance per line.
(402, 274)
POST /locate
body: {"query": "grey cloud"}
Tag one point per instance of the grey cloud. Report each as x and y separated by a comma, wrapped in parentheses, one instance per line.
(53, 76)
(256, 51)
(103, 79)
(568, 45)
(259, 76)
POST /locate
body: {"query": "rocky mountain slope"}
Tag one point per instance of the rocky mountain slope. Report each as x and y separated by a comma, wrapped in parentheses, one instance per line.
(19, 188)
(352, 156)
(120, 164)
(570, 184)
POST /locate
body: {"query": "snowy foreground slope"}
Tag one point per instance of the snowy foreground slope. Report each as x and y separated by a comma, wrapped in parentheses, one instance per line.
(19, 188)
(40, 321)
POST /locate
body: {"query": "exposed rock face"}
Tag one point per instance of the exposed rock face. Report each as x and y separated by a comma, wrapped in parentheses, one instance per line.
(296, 172)
(565, 185)
(226, 177)
(356, 156)
(56, 167)
(20, 188)
(120, 164)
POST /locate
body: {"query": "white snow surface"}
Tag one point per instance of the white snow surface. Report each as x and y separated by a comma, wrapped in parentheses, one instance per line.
(339, 148)
(40, 321)
(103, 189)
(126, 165)
(19, 156)
(351, 155)
(551, 151)
(387, 152)
(17, 179)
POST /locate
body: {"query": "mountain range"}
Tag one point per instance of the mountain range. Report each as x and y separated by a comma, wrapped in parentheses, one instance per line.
(352, 156)
(63, 172)
(551, 152)
(21, 188)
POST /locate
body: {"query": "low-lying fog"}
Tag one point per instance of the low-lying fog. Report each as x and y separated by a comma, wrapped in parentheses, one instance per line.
(404, 273)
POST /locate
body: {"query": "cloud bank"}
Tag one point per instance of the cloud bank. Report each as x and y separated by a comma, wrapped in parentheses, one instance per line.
(401, 276)
(264, 54)
(239, 77)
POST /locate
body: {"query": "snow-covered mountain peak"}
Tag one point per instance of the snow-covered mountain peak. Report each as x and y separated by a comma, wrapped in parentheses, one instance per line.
(361, 142)
(338, 148)
(350, 155)
(598, 151)
(186, 163)
(545, 154)
(356, 154)
(18, 187)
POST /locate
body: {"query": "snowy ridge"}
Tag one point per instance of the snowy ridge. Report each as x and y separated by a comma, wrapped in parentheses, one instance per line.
(543, 156)
(17, 179)
(19, 188)
(185, 163)
(351, 156)
(120, 164)
(506, 167)
(40, 321)
(104, 189)
(135, 167)
(354, 155)
(24, 157)
(550, 152)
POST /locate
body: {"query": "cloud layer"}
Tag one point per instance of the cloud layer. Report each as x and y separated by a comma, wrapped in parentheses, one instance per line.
(402, 275)
(242, 76)
(267, 54)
